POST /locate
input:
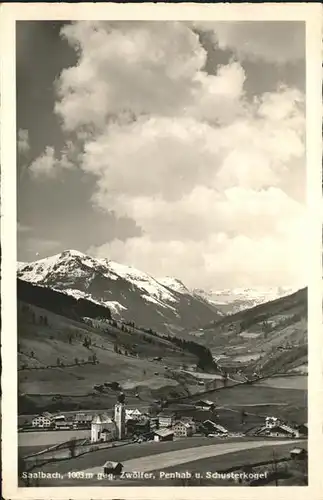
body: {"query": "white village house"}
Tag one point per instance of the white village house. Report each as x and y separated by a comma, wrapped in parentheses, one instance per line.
(183, 429)
(41, 422)
(133, 414)
(274, 427)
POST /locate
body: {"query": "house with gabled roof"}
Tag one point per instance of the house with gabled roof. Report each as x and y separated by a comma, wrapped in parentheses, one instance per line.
(183, 428)
(205, 404)
(214, 428)
(164, 435)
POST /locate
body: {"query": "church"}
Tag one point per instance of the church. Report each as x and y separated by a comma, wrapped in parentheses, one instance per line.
(103, 428)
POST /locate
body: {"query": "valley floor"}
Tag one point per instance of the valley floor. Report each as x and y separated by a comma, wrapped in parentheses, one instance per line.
(195, 454)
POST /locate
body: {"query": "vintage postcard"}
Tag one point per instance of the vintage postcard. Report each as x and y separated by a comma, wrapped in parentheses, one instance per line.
(161, 249)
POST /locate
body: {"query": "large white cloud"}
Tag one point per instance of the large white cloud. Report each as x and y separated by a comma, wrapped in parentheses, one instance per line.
(212, 180)
(144, 68)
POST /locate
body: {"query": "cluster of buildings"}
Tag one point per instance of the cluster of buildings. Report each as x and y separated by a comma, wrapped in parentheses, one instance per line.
(177, 421)
(60, 422)
(167, 425)
(274, 427)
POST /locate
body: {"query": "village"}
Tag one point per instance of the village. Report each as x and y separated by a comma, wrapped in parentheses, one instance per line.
(176, 421)
(122, 432)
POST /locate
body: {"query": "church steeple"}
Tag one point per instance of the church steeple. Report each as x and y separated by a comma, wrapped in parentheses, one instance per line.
(120, 416)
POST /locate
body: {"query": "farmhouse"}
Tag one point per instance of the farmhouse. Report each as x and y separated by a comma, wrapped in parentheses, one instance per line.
(214, 428)
(41, 422)
(279, 430)
(205, 404)
(112, 468)
(59, 418)
(164, 435)
(83, 419)
(183, 429)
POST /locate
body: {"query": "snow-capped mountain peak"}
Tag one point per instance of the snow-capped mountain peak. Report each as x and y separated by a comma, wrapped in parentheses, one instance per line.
(128, 291)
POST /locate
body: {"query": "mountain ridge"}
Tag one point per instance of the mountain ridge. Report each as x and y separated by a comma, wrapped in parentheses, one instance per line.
(128, 292)
(232, 300)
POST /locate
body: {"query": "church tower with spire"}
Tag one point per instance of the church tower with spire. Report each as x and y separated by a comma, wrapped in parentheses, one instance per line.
(120, 416)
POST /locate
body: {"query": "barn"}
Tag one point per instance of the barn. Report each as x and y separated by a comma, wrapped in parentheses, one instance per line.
(112, 468)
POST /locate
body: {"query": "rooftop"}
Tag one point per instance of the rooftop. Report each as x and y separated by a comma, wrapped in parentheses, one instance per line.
(164, 432)
(83, 416)
(298, 450)
(185, 423)
(205, 402)
(47, 414)
(111, 465)
(108, 426)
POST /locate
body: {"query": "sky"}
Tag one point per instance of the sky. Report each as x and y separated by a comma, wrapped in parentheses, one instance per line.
(174, 147)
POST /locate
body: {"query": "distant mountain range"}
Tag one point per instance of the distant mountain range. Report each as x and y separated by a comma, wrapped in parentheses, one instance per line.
(230, 301)
(165, 304)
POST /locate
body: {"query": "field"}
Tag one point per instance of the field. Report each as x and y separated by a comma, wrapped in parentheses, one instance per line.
(49, 438)
(260, 399)
(238, 458)
(160, 456)
(224, 462)
(255, 393)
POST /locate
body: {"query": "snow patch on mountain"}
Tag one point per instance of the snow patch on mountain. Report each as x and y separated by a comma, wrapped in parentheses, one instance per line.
(143, 281)
(173, 284)
(113, 305)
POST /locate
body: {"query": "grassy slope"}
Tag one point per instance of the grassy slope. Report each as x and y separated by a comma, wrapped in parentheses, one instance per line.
(261, 330)
(51, 342)
(288, 404)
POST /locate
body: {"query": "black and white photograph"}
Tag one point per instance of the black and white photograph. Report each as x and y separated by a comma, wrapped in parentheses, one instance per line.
(162, 289)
